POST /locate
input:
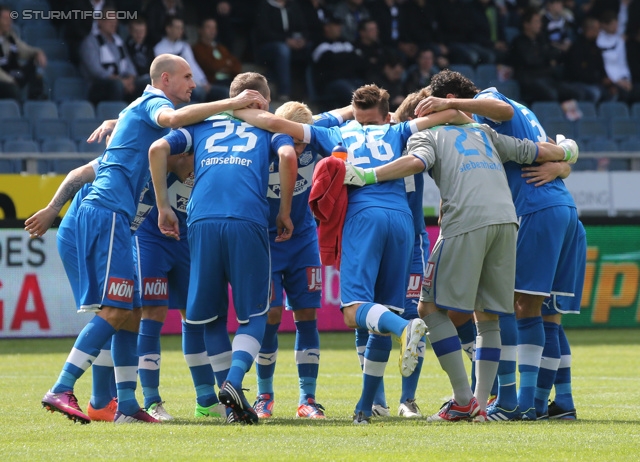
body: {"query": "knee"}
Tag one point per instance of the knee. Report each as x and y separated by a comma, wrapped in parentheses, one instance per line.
(349, 316)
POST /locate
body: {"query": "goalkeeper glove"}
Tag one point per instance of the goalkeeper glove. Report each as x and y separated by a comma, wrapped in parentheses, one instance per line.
(357, 176)
(570, 149)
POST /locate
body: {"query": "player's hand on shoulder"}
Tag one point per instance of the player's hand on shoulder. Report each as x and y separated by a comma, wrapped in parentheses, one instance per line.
(430, 105)
(250, 98)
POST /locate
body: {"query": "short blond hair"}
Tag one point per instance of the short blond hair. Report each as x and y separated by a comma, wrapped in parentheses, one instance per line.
(296, 112)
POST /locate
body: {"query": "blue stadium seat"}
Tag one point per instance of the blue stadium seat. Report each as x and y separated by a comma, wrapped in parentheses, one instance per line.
(545, 110)
(80, 129)
(40, 110)
(69, 89)
(589, 128)
(465, 69)
(588, 109)
(8, 166)
(509, 88)
(48, 129)
(35, 33)
(55, 51)
(71, 110)
(559, 125)
(622, 128)
(9, 108)
(635, 110)
(630, 144)
(64, 166)
(610, 109)
(14, 128)
(485, 73)
(98, 148)
(56, 69)
(109, 109)
(601, 145)
(21, 146)
(58, 145)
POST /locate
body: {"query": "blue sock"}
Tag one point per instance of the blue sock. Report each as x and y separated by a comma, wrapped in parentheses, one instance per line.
(103, 381)
(564, 395)
(530, 345)
(548, 367)
(307, 351)
(245, 348)
(266, 360)
(85, 350)
(219, 350)
(362, 338)
(410, 384)
(125, 360)
(378, 318)
(149, 360)
(195, 354)
(507, 391)
(376, 358)
(467, 336)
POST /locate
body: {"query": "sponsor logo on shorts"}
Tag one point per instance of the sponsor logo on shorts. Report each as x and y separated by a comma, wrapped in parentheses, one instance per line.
(428, 276)
(314, 278)
(413, 291)
(120, 290)
(155, 289)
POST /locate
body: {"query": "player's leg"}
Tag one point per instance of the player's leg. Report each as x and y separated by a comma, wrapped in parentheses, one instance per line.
(543, 231)
(563, 406)
(442, 277)
(94, 335)
(268, 354)
(302, 281)
(248, 265)
(103, 403)
(549, 363)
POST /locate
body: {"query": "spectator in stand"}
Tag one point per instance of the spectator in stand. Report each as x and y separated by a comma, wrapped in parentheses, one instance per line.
(419, 75)
(173, 44)
(156, 13)
(369, 48)
(558, 26)
(314, 13)
(140, 52)
(614, 53)
(105, 63)
(222, 11)
(391, 78)
(352, 13)
(633, 57)
(75, 26)
(465, 30)
(419, 30)
(338, 70)
(14, 74)
(216, 61)
(534, 67)
(386, 14)
(281, 44)
(584, 66)
(491, 21)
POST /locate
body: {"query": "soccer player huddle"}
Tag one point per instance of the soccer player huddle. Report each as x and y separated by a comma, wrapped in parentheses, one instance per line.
(185, 202)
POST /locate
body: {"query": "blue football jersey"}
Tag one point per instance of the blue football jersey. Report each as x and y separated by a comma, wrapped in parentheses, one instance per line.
(301, 215)
(368, 146)
(179, 194)
(231, 168)
(124, 169)
(67, 228)
(527, 198)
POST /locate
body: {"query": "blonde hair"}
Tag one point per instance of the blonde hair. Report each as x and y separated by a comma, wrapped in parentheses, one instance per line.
(296, 112)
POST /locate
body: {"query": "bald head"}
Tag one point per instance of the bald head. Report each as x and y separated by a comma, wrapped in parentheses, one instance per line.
(164, 63)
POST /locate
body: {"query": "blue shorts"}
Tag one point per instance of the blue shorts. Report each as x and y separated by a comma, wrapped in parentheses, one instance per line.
(418, 264)
(162, 267)
(105, 259)
(69, 255)
(296, 269)
(377, 245)
(223, 252)
(570, 305)
(547, 252)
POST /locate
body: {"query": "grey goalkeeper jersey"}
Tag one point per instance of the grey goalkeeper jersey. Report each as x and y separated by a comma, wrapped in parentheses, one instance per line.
(466, 161)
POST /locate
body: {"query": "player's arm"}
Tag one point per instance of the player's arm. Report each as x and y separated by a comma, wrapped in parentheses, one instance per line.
(198, 112)
(450, 116)
(490, 108)
(288, 176)
(159, 152)
(271, 122)
(38, 224)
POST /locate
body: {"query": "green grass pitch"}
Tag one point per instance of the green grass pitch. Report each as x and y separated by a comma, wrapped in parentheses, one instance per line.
(606, 386)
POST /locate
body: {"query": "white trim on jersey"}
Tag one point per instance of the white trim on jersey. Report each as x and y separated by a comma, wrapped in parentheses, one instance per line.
(187, 135)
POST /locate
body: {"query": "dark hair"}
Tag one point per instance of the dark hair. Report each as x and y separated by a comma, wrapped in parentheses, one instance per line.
(451, 82)
(528, 14)
(205, 19)
(369, 96)
(169, 20)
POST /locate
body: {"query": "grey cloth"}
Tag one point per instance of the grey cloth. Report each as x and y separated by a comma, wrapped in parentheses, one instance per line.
(92, 57)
